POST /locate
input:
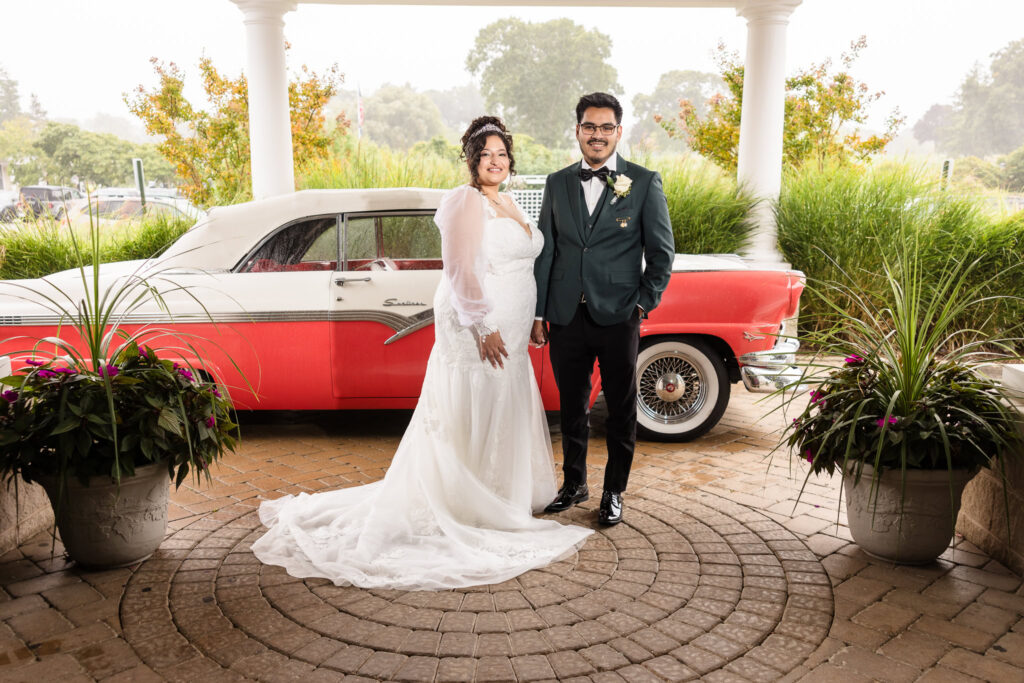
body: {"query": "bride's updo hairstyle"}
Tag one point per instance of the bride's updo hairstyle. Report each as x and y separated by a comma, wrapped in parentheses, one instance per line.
(475, 139)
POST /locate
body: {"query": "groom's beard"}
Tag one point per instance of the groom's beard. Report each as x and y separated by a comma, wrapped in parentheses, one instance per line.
(596, 153)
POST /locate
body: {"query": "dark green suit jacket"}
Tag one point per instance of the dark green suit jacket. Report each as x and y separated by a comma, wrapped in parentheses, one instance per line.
(606, 261)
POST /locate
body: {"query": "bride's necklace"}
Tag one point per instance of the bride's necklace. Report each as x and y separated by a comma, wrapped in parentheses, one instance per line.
(496, 201)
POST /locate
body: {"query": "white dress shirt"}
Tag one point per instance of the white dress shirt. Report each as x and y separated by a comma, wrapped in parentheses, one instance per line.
(593, 188)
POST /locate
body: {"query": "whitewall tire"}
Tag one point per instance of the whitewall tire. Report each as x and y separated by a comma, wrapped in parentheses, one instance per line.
(682, 388)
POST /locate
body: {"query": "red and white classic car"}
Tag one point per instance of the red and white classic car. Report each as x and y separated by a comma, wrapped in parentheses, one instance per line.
(323, 300)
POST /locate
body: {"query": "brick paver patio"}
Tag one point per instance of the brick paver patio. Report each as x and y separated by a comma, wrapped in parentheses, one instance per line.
(715, 574)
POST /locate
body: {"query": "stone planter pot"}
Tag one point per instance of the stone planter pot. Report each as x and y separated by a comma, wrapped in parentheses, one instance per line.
(103, 525)
(920, 531)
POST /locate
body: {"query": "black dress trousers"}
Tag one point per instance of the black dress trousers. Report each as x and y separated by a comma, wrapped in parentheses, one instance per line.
(574, 347)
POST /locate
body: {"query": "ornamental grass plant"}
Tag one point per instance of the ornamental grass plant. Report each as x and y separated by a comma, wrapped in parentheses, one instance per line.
(95, 399)
(844, 223)
(42, 246)
(709, 213)
(909, 392)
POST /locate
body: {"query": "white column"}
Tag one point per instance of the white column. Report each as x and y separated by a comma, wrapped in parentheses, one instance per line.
(761, 120)
(270, 130)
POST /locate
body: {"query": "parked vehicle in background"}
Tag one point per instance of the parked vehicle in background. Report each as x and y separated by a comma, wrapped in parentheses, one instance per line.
(9, 209)
(47, 200)
(111, 204)
(324, 299)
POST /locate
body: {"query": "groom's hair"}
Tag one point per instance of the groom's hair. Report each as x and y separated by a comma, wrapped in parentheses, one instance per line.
(601, 100)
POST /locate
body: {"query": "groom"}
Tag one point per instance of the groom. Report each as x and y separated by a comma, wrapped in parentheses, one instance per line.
(607, 257)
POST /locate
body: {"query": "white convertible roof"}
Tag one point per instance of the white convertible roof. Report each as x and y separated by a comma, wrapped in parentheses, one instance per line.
(229, 232)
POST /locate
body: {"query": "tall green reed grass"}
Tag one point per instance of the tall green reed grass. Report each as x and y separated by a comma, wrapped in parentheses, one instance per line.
(709, 214)
(42, 246)
(846, 219)
(362, 164)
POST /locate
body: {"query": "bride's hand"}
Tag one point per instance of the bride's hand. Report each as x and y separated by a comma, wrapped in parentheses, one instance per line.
(492, 348)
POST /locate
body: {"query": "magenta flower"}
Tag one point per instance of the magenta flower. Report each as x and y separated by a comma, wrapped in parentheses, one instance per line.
(210, 421)
(808, 456)
(214, 390)
(853, 359)
(66, 371)
(143, 354)
(892, 419)
(30, 361)
(817, 396)
(109, 371)
(10, 396)
(46, 374)
(184, 372)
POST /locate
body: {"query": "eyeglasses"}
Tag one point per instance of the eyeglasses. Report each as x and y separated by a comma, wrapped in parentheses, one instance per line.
(590, 128)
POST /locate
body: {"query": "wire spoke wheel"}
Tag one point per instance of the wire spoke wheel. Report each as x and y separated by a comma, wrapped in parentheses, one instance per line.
(682, 388)
(671, 388)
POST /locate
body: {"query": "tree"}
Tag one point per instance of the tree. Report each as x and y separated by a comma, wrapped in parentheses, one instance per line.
(1013, 170)
(458, 105)
(988, 112)
(10, 102)
(673, 86)
(59, 152)
(822, 110)
(399, 117)
(532, 74)
(932, 126)
(209, 146)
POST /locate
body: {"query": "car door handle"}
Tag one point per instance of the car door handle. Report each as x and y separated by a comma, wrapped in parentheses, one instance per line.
(342, 280)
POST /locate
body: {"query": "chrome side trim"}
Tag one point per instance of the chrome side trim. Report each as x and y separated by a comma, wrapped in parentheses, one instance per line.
(397, 322)
(427, 319)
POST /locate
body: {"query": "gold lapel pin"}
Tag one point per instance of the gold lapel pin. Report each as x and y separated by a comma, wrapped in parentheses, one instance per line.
(623, 222)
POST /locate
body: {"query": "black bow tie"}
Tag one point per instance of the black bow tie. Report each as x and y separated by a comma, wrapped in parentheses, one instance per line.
(602, 173)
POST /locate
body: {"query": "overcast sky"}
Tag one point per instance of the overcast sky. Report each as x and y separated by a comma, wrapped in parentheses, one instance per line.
(79, 57)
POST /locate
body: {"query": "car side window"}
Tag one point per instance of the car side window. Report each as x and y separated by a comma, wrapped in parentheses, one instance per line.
(393, 242)
(309, 244)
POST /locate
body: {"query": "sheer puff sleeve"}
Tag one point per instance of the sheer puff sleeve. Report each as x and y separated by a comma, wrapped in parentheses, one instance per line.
(460, 218)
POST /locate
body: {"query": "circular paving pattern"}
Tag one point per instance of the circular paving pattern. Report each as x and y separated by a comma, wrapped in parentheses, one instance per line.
(686, 586)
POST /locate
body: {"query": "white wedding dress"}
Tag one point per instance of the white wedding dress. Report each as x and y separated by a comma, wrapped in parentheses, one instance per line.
(455, 507)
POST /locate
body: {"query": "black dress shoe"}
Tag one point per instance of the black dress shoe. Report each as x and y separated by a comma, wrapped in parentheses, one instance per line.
(568, 495)
(610, 511)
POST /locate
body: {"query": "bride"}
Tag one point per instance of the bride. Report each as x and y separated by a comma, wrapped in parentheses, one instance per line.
(455, 507)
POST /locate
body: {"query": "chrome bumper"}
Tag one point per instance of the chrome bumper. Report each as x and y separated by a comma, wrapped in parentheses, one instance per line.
(771, 370)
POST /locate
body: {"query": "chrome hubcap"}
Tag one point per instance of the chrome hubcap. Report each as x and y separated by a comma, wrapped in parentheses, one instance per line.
(671, 388)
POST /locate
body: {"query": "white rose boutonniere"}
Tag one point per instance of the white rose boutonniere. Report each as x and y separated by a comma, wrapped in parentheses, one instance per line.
(621, 185)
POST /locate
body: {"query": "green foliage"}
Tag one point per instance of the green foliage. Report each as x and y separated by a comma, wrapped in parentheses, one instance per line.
(42, 246)
(458, 105)
(843, 220)
(355, 164)
(399, 117)
(972, 173)
(822, 109)
(1013, 170)
(89, 402)
(909, 394)
(67, 420)
(60, 151)
(673, 87)
(10, 102)
(209, 146)
(709, 214)
(532, 74)
(533, 158)
(987, 116)
(933, 124)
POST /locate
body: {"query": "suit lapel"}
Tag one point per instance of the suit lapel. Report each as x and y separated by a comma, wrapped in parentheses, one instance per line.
(572, 188)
